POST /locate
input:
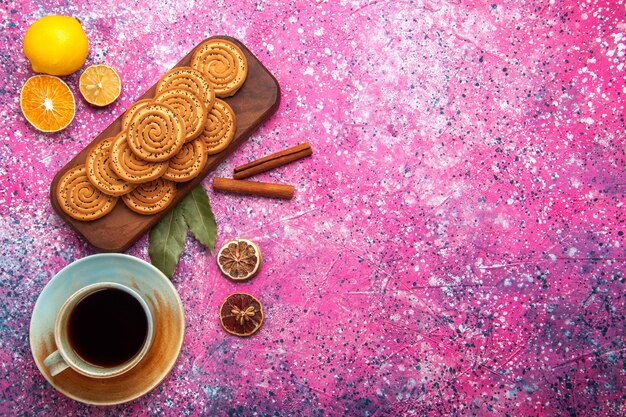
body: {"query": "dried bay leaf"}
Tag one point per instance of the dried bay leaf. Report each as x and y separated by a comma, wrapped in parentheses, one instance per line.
(167, 241)
(196, 209)
(167, 238)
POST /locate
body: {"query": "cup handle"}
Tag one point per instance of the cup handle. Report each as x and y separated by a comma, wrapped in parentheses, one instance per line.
(55, 363)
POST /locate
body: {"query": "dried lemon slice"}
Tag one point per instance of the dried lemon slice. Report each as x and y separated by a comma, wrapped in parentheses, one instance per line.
(241, 314)
(239, 259)
(100, 85)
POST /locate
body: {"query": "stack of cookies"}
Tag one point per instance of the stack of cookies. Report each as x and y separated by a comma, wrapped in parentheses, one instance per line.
(164, 140)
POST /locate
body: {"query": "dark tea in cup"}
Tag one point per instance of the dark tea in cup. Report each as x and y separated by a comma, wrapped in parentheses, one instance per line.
(102, 330)
(107, 327)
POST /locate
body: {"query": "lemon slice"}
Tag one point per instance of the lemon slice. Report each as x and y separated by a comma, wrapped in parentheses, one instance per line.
(239, 259)
(100, 85)
(47, 103)
(241, 314)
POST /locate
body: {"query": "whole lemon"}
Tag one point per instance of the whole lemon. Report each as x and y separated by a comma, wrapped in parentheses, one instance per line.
(56, 45)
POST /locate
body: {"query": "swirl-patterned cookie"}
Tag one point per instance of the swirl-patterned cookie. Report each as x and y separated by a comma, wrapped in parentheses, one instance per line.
(128, 114)
(188, 162)
(150, 197)
(101, 174)
(220, 127)
(155, 132)
(190, 79)
(189, 107)
(224, 65)
(78, 197)
(131, 168)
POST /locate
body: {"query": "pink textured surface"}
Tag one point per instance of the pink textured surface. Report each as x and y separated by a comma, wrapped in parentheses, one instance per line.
(455, 246)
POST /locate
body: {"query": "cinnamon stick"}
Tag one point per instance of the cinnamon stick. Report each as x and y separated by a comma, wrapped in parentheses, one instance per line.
(272, 161)
(263, 189)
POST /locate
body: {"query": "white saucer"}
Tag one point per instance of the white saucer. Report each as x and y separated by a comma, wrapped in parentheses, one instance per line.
(169, 327)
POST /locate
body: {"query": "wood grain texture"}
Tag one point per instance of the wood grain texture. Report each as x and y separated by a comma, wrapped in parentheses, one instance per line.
(256, 101)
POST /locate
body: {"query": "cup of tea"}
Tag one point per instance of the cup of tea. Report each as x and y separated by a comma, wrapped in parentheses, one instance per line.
(101, 331)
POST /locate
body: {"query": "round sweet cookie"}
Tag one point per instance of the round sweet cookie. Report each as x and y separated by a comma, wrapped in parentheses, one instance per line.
(190, 79)
(151, 197)
(128, 114)
(155, 132)
(223, 64)
(80, 199)
(188, 106)
(131, 168)
(188, 162)
(220, 127)
(100, 173)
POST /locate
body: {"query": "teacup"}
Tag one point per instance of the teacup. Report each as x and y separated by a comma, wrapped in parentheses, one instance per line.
(101, 331)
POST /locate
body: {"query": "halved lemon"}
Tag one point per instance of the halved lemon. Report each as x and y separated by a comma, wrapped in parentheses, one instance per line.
(100, 85)
(239, 259)
(47, 103)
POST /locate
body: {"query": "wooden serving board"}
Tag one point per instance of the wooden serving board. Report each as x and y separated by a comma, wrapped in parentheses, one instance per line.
(255, 101)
